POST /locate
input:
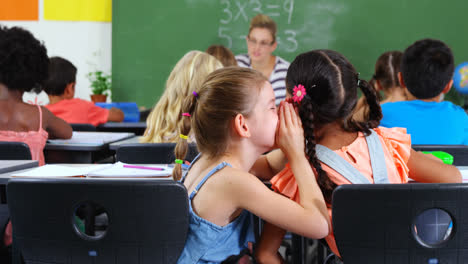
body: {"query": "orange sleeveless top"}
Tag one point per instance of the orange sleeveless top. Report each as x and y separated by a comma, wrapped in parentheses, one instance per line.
(36, 140)
(396, 144)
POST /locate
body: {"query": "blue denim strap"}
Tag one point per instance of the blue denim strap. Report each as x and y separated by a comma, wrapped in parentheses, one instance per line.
(344, 168)
(214, 170)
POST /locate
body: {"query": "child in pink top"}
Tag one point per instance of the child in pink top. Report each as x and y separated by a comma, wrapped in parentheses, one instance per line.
(60, 86)
(341, 150)
(23, 67)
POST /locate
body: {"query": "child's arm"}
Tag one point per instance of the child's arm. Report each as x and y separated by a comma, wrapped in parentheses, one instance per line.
(426, 168)
(269, 165)
(56, 127)
(115, 115)
(310, 217)
(266, 250)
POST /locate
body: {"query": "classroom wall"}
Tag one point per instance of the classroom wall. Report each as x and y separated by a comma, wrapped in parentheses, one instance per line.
(86, 44)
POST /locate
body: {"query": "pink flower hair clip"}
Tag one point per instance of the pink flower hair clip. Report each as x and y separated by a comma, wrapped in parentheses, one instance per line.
(298, 93)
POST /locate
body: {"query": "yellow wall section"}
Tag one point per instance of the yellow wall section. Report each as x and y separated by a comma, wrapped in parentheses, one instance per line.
(78, 10)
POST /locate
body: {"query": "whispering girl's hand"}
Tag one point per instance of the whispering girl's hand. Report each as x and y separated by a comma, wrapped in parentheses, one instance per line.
(290, 136)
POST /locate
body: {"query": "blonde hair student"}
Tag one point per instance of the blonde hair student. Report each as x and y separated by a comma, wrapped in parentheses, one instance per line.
(324, 84)
(189, 72)
(234, 120)
(23, 68)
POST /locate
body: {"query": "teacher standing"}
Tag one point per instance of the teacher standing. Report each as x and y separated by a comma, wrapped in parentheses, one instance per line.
(261, 43)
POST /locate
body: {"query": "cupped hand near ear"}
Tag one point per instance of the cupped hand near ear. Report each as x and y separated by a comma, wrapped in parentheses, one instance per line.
(290, 135)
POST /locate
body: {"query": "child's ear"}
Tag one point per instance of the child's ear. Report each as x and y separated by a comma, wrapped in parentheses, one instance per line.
(379, 86)
(402, 82)
(447, 87)
(240, 126)
(69, 92)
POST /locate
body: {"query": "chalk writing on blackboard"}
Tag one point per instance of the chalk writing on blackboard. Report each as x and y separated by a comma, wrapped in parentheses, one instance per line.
(236, 15)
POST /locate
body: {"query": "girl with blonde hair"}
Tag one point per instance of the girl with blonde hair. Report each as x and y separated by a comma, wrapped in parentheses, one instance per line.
(188, 73)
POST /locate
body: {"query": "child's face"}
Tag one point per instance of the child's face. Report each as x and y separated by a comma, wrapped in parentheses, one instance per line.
(264, 118)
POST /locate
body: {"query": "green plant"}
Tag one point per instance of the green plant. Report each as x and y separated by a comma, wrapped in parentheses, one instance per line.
(100, 82)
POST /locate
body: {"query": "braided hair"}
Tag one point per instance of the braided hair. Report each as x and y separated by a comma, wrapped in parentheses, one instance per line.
(331, 84)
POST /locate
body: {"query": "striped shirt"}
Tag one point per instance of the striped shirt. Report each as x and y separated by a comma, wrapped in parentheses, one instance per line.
(277, 77)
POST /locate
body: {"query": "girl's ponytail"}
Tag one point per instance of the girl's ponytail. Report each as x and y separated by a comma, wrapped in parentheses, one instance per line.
(184, 128)
(374, 114)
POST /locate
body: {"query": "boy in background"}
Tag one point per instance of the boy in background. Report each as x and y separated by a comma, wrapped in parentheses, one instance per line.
(60, 87)
(426, 71)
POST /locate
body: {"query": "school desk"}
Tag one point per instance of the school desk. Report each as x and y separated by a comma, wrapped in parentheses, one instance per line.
(6, 176)
(133, 140)
(7, 166)
(134, 127)
(459, 152)
(87, 151)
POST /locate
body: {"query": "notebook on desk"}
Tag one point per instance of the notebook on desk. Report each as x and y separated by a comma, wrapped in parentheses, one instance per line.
(80, 137)
(117, 170)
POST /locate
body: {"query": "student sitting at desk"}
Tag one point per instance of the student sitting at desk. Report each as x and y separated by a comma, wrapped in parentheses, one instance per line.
(340, 149)
(385, 79)
(23, 68)
(426, 71)
(60, 86)
(187, 75)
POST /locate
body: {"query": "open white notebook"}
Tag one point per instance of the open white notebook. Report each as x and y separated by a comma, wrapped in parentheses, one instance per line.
(116, 170)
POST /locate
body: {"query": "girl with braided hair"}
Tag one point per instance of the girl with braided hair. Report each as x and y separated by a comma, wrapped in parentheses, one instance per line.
(234, 119)
(341, 150)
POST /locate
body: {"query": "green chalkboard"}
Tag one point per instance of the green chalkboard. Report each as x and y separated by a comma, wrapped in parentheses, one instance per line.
(150, 36)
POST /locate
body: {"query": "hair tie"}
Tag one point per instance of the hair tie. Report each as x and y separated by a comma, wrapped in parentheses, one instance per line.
(195, 94)
(179, 161)
(183, 136)
(298, 93)
(358, 82)
(186, 114)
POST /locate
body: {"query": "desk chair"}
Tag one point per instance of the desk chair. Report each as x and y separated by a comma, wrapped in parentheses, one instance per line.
(386, 223)
(83, 127)
(459, 152)
(14, 151)
(152, 153)
(147, 220)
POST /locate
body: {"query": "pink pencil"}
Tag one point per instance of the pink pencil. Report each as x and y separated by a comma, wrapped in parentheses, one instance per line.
(142, 167)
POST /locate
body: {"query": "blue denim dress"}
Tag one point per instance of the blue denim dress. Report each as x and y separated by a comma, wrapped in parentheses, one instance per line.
(209, 243)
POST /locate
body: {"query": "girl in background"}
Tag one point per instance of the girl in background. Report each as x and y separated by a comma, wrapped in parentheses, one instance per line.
(385, 79)
(23, 68)
(188, 73)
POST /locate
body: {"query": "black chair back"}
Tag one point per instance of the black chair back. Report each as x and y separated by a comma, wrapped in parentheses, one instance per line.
(83, 127)
(152, 153)
(401, 223)
(14, 151)
(98, 221)
(459, 152)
